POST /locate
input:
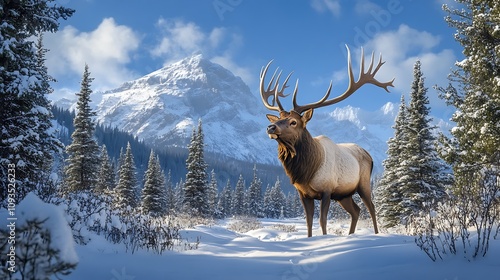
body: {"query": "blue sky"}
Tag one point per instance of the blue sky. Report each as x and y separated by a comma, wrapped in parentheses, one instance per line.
(126, 39)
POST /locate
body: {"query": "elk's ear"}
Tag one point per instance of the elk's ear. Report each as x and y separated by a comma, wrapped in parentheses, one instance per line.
(272, 118)
(307, 116)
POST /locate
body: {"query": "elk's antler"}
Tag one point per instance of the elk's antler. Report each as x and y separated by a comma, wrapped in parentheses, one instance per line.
(364, 78)
(274, 92)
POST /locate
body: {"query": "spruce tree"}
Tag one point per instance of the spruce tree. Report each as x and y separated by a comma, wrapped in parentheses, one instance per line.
(27, 144)
(389, 194)
(254, 197)
(212, 195)
(224, 203)
(424, 178)
(195, 187)
(474, 150)
(170, 194)
(126, 190)
(274, 201)
(106, 180)
(154, 194)
(238, 198)
(179, 197)
(267, 202)
(83, 152)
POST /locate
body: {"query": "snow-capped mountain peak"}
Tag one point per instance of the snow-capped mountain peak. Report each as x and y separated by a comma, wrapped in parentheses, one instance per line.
(162, 107)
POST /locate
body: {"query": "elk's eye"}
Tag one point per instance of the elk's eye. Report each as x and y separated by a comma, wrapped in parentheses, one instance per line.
(293, 123)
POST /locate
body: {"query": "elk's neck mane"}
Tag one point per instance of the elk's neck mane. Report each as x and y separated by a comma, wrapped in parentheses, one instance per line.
(302, 159)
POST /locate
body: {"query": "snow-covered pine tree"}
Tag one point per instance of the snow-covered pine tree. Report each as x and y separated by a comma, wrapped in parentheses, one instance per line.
(106, 178)
(179, 196)
(153, 194)
(254, 196)
(27, 143)
(52, 148)
(424, 176)
(212, 195)
(238, 198)
(83, 152)
(267, 202)
(195, 187)
(476, 137)
(126, 190)
(170, 194)
(224, 203)
(474, 150)
(275, 200)
(389, 196)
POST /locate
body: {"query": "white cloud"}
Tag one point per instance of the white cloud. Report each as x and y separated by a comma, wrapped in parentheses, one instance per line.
(106, 50)
(180, 39)
(332, 6)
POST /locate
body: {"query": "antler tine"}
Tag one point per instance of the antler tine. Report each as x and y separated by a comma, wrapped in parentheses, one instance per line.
(273, 88)
(266, 93)
(367, 77)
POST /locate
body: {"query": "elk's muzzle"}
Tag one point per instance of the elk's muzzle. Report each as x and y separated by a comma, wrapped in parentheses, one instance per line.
(272, 131)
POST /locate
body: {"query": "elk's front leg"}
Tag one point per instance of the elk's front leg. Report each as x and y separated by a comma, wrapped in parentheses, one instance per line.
(325, 206)
(308, 204)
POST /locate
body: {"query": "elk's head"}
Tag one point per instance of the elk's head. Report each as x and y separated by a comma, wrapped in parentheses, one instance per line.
(289, 126)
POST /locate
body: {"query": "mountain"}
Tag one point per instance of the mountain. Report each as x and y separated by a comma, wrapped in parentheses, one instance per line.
(162, 108)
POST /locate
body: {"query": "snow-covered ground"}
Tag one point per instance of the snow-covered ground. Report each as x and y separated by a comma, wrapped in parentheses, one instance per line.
(271, 253)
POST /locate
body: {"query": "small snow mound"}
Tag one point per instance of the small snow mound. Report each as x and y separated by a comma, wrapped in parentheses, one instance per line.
(33, 208)
(269, 234)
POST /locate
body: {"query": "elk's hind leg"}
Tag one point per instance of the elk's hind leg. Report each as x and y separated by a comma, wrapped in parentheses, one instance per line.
(367, 200)
(353, 209)
(364, 192)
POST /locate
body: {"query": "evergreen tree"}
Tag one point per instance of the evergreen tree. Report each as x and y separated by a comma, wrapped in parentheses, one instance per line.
(224, 203)
(238, 198)
(83, 160)
(195, 187)
(126, 190)
(424, 178)
(106, 180)
(267, 202)
(292, 205)
(179, 196)
(27, 144)
(389, 194)
(153, 198)
(473, 152)
(254, 197)
(275, 201)
(170, 194)
(212, 195)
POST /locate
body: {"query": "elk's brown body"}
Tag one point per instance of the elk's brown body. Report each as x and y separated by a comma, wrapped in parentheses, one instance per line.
(317, 167)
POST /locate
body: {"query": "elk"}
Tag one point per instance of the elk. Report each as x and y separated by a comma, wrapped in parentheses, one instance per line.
(317, 167)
